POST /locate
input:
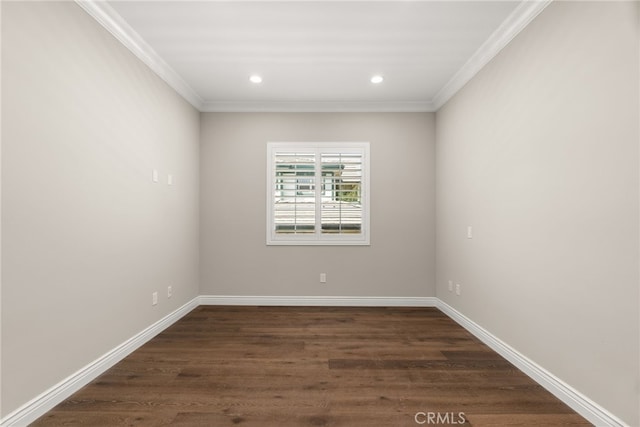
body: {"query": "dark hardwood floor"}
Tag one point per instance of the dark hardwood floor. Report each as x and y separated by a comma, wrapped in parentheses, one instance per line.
(313, 366)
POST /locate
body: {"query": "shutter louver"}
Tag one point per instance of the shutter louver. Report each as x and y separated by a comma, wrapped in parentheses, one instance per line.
(341, 193)
(295, 198)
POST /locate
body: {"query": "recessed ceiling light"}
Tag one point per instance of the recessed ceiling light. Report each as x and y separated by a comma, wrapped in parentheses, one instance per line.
(377, 79)
(255, 79)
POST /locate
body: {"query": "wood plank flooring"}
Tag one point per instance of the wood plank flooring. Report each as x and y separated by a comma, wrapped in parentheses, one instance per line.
(313, 366)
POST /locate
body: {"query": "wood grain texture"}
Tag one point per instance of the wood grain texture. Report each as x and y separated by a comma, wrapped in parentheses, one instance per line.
(312, 366)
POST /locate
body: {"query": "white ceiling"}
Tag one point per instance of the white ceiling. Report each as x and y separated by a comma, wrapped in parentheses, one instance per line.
(315, 55)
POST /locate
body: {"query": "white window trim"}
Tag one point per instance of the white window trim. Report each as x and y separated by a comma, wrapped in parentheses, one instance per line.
(318, 238)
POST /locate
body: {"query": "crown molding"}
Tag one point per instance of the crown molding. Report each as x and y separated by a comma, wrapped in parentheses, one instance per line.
(507, 31)
(317, 107)
(122, 31)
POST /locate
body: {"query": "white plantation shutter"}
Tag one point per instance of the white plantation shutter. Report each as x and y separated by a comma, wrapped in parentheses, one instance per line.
(341, 193)
(317, 193)
(294, 202)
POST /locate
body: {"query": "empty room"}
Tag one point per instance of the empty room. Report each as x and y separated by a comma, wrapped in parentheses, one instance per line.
(329, 213)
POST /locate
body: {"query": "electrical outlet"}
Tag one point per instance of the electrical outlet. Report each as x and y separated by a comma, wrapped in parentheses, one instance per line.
(450, 286)
(323, 277)
(469, 232)
(170, 179)
(154, 175)
(169, 291)
(154, 298)
(457, 288)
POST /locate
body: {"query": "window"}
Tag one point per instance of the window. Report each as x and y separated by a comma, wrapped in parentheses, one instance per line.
(318, 193)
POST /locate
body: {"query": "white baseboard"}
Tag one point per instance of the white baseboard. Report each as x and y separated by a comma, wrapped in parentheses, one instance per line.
(40, 405)
(590, 410)
(319, 301)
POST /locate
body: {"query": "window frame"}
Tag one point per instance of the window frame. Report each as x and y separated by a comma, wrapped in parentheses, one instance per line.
(318, 237)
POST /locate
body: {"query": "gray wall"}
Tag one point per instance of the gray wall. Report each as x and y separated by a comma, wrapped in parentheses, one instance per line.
(87, 237)
(234, 257)
(539, 153)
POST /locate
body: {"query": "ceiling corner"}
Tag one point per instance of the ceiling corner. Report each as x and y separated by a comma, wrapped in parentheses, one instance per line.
(122, 31)
(318, 107)
(507, 31)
